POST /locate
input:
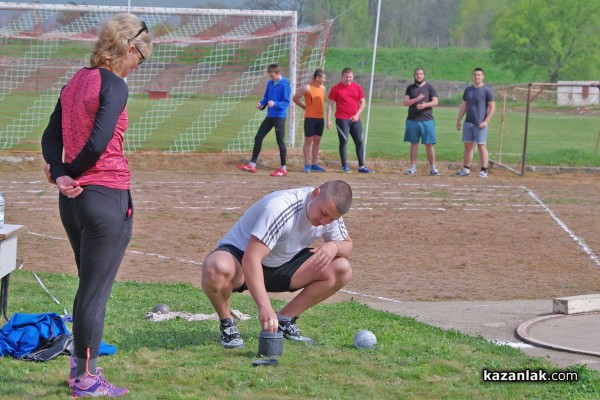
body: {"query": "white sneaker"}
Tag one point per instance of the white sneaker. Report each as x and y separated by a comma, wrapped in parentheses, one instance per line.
(434, 172)
(482, 174)
(464, 172)
(411, 171)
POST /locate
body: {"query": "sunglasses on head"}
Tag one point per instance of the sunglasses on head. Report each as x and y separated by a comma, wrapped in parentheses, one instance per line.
(144, 28)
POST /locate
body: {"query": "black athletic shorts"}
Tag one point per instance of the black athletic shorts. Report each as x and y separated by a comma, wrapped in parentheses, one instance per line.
(277, 279)
(313, 127)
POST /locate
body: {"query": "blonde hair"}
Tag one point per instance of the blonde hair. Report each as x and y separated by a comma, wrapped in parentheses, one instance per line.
(115, 36)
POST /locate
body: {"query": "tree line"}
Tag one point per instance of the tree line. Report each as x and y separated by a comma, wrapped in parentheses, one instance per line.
(553, 39)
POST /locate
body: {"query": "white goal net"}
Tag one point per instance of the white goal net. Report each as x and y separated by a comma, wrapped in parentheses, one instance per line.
(196, 92)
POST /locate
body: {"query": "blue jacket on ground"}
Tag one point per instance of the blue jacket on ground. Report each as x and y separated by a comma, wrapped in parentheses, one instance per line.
(24, 333)
(279, 93)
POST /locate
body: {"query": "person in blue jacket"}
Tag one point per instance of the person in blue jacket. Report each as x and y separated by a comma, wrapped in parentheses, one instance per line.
(277, 101)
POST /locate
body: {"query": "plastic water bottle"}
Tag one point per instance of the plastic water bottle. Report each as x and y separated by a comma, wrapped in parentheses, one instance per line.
(1, 211)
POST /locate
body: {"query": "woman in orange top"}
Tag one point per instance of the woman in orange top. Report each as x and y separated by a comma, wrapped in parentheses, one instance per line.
(314, 118)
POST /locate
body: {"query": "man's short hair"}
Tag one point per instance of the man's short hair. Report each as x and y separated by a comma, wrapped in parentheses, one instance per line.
(274, 68)
(479, 69)
(318, 72)
(340, 192)
(346, 70)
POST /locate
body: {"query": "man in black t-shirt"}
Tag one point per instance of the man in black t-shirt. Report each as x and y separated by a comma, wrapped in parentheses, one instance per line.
(420, 97)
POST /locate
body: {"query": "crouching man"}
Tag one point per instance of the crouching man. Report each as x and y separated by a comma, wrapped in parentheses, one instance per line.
(267, 250)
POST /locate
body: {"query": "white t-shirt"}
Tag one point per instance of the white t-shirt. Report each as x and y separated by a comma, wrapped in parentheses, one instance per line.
(279, 221)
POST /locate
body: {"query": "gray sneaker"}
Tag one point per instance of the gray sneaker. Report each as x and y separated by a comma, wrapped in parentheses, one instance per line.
(230, 336)
(434, 172)
(464, 172)
(482, 174)
(292, 332)
(411, 171)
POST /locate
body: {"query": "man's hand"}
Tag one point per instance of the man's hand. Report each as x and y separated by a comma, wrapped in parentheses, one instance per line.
(323, 255)
(268, 319)
(255, 252)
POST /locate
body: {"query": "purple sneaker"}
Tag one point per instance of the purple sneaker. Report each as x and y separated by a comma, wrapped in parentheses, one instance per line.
(73, 364)
(96, 385)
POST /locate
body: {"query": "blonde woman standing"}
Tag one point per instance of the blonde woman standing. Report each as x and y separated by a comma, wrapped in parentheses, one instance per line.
(93, 179)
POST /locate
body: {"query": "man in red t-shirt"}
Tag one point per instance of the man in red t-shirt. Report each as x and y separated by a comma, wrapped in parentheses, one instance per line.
(348, 99)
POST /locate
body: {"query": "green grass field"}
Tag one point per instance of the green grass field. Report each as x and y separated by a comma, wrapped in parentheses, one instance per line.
(178, 359)
(556, 137)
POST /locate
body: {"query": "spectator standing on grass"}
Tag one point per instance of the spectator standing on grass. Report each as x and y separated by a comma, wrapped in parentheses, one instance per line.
(479, 104)
(277, 101)
(348, 99)
(420, 97)
(95, 204)
(267, 250)
(314, 119)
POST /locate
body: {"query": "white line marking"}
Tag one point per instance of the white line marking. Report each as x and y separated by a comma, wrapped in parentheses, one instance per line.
(564, 226)
(164, 257)
(139, 253)
(419, 208)
(45, 236)
(369, 296)
(516, 345)
(195, 208)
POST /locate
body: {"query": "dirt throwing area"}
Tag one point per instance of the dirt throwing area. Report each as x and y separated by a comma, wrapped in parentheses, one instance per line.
(416, 238)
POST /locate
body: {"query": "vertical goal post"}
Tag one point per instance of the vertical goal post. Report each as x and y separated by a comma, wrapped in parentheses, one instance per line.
(197, 91)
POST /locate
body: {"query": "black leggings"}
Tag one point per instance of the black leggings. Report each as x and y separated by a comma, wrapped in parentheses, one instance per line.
(345, 127)
(99, 225)
(265, 127)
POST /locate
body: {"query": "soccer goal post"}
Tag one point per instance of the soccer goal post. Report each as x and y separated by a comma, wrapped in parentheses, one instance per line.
(196, 92)
(545, 124)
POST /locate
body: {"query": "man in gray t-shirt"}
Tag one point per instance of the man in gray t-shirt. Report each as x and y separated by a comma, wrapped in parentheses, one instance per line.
(479, 104)
(269, 249)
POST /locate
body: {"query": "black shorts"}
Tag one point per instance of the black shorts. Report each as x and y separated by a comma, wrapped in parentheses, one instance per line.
(313, 127)
(277, 279)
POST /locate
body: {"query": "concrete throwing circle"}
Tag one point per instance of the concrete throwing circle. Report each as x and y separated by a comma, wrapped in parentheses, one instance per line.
(575, 333)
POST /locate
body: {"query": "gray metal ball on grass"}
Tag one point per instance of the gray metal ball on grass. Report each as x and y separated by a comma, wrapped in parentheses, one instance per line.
(365, 339)
(161, 309)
